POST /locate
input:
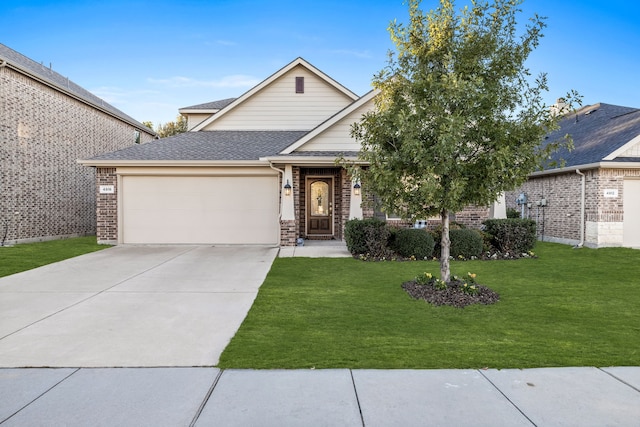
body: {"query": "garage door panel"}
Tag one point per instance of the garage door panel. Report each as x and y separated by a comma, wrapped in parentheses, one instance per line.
(201, 210)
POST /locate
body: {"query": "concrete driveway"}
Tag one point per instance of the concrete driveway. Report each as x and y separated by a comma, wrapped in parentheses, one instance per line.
(130, 306)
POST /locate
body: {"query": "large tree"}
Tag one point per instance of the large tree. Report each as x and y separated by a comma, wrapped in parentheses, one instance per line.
(169, 128)
(458, 118)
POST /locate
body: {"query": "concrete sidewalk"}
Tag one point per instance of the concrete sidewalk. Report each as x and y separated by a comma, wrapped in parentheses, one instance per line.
(340, 397)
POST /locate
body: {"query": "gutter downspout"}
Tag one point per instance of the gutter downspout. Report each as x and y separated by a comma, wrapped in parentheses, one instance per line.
(281, 172)
(582, 209)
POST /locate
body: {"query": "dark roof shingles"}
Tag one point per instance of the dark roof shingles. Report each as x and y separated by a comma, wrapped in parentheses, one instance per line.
(213, 105)
(597, 131)
(209, 145)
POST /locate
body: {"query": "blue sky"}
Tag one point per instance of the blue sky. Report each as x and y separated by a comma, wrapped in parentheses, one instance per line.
(149, 58)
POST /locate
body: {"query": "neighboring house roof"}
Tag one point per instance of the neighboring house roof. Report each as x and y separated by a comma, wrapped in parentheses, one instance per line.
(208, 106)
(213, 105)
(220, 145)
(24, 65)
(268, 81)
(600, 133)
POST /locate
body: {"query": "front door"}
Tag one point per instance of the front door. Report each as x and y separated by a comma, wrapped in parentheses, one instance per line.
(319, 206)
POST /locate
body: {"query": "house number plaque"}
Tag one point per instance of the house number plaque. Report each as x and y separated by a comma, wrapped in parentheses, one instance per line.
(612, 192)
(107, 189)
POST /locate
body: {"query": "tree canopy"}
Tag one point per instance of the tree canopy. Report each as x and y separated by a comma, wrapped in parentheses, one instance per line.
(169, 128)
(458, 119)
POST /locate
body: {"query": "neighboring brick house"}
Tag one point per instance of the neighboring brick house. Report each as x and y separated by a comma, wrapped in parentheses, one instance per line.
(258, 169)
(47, 122)
(594, 199)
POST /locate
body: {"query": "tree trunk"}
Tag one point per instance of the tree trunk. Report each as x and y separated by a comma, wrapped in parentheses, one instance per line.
(445, 245)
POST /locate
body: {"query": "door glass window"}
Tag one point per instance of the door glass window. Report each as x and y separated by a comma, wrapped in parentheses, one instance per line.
(319, 198)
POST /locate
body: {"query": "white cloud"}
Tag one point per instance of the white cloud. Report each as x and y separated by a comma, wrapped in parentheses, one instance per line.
(235, 80)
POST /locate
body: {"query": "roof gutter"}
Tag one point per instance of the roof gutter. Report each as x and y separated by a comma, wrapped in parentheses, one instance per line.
(170, 163)
(602, 165)
(310, 160)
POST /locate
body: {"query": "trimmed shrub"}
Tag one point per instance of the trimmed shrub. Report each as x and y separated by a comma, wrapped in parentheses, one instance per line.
(409, 242)
(512, 235)
(367, 236)
(465, 243)
(513, 213)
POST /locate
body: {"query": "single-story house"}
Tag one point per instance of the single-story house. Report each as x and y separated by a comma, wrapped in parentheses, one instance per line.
(47, 122)
(593, 199)
(257, 169)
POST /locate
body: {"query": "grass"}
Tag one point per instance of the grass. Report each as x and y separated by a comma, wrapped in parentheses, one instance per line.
(23, 257)
(567, 308)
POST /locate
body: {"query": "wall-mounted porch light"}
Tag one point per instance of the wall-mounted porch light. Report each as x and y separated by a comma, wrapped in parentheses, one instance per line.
(356, 189)
(287, 189)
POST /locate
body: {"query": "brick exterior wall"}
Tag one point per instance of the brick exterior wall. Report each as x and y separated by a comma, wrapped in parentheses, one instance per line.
(107, 207)
(471, 216)
(560, 220)
(288, 235)
(45, 193)
(345, 196)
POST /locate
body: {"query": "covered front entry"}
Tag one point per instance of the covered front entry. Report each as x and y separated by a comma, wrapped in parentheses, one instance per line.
(199, 209)
(319, 206)
(322, 202)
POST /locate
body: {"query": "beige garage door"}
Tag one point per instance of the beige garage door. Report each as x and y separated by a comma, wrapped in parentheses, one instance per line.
(631, 223)
(200, 210)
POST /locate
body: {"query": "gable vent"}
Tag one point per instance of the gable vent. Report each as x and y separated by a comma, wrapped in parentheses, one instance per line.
(299, 84)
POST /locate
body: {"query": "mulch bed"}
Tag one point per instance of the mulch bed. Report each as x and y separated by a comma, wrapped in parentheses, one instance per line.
(453, 295)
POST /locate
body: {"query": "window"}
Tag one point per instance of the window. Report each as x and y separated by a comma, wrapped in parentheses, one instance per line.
(136, 135)
(299, 84)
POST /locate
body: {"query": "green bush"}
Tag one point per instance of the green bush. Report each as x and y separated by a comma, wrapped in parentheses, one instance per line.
(512, 235)
(367, 236)
(409, 242)
(465, 243)
(513, 213)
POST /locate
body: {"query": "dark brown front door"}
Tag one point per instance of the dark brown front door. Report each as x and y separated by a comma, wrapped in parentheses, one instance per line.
(319, 206)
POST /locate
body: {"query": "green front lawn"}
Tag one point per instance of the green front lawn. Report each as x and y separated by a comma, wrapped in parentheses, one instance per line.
(569, 307)
(27, 256)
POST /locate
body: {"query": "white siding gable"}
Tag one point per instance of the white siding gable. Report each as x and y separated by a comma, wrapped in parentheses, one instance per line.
(194, 120)
(338, 136)
(632, 151)
(278, 107)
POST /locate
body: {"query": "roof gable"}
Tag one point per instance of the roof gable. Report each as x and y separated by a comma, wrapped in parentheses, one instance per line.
(334, 133)
(264, 107)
